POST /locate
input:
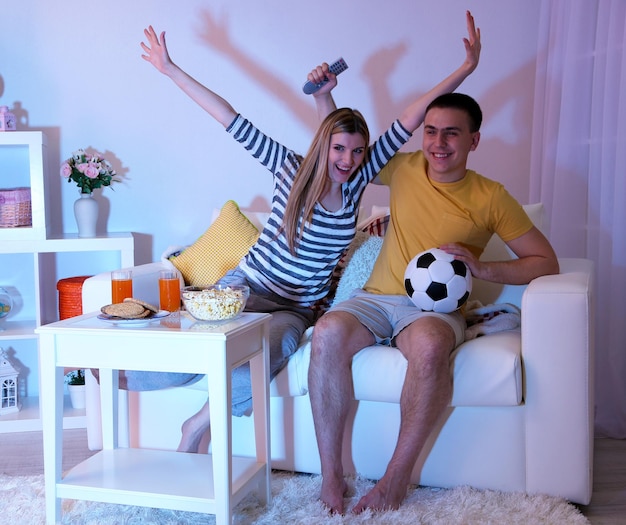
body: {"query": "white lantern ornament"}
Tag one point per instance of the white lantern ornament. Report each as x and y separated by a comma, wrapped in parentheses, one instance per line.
(9, 402)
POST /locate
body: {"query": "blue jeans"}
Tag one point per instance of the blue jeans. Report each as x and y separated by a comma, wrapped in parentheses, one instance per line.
(289, 321)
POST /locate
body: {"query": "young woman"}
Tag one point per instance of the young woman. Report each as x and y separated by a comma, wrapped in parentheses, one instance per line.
(314, 206)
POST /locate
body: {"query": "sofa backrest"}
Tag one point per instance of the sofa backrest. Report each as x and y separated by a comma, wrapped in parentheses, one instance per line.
(497, 250)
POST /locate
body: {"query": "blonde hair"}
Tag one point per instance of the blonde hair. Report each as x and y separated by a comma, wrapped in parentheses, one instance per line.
(312, 176)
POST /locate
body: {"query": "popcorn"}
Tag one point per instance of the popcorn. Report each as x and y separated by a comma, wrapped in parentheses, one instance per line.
(215, 303)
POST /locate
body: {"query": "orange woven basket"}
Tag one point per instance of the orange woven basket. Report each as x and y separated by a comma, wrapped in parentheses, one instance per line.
(70, 296)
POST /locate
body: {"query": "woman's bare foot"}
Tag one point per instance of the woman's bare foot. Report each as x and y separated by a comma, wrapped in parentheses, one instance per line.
(332, 494)
(193, 430)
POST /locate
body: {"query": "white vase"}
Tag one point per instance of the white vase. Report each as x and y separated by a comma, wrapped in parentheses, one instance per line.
(77, 396)
(86, 213)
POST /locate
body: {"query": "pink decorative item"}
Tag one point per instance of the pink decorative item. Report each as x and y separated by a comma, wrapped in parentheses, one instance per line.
(7, 119)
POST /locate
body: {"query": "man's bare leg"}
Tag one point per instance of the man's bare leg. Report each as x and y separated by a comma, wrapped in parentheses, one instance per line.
(193, 429)
(336, 338)
(427, 390)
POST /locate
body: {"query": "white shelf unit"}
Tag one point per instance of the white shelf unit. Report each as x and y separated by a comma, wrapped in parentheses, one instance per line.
(23, 163)
(19, 337)
(29, 269)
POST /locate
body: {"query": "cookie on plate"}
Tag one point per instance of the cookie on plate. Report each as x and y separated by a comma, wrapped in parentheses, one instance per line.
(125, 310)
(147, 306)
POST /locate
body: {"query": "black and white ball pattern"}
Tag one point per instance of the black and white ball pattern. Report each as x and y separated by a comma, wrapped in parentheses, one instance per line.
(437, 282)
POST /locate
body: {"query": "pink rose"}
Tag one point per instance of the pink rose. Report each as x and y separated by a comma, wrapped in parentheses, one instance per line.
(66, 170)
(92, 171)
(82, 167)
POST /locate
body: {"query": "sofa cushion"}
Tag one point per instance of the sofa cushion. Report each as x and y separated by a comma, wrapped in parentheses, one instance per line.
(219, 249)
(487, 371)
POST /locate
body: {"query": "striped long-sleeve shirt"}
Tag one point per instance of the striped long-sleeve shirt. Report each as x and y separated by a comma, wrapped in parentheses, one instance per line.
(304, 276)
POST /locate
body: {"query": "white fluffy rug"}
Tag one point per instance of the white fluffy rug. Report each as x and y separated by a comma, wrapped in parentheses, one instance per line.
(296, 502)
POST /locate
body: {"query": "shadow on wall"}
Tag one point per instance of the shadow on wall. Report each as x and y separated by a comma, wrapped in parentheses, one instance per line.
(505, 161)
(215, 33)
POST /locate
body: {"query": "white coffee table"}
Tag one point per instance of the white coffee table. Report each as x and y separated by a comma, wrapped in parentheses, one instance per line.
(213, 483)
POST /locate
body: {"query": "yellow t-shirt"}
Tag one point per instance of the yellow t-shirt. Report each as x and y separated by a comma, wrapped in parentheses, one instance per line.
(468, 212)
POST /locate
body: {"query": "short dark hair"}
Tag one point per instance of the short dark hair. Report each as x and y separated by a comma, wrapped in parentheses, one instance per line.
(462, 102)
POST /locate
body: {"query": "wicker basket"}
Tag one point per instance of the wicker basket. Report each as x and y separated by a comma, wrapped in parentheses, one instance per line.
(71, 296)
(15, 208)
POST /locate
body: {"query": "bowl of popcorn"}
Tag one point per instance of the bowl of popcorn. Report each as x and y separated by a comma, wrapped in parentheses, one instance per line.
(216, 302)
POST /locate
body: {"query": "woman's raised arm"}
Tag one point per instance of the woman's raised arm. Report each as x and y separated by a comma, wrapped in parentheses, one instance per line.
(156, 53)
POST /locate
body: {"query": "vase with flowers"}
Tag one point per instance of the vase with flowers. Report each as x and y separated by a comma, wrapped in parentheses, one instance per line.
(89, 171)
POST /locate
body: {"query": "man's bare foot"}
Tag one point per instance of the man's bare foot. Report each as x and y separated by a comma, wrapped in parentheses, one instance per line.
(332, 493)
(193, 430)
(384, 496)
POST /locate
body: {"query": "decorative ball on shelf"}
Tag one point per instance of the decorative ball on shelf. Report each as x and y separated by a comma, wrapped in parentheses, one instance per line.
(6, 304)
(437, 282)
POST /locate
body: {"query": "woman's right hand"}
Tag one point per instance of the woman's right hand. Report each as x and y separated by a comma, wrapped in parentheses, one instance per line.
(319, 74)
(156, 51)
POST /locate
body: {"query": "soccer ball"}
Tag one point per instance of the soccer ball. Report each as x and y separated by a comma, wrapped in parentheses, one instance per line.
(436, 282)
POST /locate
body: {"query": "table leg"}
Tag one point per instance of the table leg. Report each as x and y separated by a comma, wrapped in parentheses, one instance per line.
(259, 372)
(220, 400)
(109, 404)
(51, 413)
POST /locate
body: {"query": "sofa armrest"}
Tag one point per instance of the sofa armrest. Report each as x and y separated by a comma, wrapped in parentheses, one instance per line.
(97, 289)
(557, 349)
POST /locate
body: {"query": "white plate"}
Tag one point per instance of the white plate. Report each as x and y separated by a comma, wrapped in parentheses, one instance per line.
(134, 322)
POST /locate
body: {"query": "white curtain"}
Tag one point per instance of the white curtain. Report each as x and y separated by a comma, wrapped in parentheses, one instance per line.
(578, 170)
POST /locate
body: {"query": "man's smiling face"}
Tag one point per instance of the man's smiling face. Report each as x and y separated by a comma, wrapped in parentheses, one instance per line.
(447, 142)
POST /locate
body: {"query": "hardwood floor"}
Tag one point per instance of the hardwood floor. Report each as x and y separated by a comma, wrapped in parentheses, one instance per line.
(608, 500)
(21, 454)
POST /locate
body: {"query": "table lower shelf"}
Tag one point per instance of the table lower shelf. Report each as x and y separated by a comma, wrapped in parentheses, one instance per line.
(158, 479)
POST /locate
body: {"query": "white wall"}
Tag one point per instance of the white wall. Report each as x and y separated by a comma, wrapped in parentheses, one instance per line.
(74, 68)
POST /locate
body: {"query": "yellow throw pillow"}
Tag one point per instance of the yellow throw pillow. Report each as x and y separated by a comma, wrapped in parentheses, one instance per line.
(219, 249)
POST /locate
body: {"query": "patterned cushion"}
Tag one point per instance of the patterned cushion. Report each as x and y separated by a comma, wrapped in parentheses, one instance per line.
(219, 249)
(359, 263)
(373, 226)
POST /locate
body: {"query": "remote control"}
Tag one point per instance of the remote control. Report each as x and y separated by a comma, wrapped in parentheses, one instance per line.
(336, 67)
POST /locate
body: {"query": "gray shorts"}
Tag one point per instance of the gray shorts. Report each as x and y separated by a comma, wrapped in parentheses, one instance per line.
(387, 315)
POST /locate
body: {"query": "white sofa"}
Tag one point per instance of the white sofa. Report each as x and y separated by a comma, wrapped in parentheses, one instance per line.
(521, 417)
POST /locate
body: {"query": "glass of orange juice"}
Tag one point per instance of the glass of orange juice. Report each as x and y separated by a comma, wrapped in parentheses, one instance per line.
(121, 285)
(169, 290)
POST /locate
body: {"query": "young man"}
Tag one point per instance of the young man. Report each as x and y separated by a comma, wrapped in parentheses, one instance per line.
(435, 202)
